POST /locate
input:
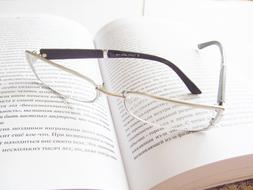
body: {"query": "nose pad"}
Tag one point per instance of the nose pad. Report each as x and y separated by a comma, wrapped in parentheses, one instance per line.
(98, 87)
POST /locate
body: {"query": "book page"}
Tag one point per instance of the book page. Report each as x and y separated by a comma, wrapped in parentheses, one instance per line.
(153, 154)
(46, 141)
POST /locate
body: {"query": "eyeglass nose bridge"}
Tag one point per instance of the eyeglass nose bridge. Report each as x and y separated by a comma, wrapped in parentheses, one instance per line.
(101, 89)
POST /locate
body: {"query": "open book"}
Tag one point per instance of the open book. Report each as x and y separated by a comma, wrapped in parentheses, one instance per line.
(47, 142)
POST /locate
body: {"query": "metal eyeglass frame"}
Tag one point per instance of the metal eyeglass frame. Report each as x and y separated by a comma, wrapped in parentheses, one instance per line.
(47, 55)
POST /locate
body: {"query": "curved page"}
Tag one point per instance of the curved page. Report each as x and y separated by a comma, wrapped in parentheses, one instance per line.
(155, 154)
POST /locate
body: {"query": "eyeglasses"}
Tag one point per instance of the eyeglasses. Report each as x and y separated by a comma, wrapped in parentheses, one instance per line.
(156, 110)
